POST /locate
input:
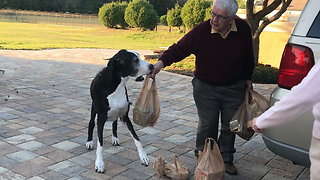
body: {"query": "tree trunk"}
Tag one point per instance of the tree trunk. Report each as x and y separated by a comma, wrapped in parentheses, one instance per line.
(254, 18)
(256, 49)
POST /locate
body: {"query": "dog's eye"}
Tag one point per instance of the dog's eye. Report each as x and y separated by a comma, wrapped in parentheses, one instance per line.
(135, 60)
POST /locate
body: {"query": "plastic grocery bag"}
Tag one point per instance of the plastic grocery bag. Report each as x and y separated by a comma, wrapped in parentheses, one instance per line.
(253, 105)
(210, 165)
(158, 166)
(176, 171)
(146, 109)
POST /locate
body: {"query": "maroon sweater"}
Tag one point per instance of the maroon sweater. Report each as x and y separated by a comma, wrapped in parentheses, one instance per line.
(218, 61)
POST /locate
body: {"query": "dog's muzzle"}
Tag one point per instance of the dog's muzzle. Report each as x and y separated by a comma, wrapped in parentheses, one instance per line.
(141, 78)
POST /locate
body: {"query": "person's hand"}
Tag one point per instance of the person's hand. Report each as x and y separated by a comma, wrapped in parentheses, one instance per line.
(255, 127)
(156, 68)
(249, 84)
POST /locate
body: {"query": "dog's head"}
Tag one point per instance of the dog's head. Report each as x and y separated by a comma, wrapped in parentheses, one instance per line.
(129, 63)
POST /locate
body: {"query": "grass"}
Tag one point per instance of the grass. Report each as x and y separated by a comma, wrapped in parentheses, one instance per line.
(17, 35)
(27, 36)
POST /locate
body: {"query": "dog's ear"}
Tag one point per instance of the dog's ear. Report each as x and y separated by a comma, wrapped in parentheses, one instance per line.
(110, 62)
(110, 67)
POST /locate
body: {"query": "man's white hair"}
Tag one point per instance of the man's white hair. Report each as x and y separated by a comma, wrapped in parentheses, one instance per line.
(230, 5)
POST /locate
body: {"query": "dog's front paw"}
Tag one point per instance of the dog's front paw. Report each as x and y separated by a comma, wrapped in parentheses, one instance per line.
(144, 159)
(99, 166)
(115, 141)
(89, 145)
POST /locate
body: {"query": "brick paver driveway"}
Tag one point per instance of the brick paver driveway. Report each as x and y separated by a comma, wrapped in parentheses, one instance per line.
(44, 113)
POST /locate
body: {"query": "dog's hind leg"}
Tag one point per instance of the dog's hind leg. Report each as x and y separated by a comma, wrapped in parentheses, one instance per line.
(142, 153)
(99, 164)
(89, 144)
(115, 139)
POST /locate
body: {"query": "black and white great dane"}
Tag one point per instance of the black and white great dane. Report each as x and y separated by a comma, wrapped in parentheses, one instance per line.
(110, 101)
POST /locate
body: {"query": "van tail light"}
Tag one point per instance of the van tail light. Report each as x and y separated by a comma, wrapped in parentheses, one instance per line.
(295, 64)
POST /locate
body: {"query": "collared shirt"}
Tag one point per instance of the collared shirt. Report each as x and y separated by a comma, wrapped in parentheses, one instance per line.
(233, 27)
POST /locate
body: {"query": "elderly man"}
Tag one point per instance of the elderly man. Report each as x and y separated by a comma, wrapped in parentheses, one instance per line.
(224, 67)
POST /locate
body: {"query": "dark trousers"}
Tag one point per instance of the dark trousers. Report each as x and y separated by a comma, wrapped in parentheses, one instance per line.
(213, 102)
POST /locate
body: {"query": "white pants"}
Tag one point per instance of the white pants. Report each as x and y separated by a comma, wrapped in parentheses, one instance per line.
(315, 159)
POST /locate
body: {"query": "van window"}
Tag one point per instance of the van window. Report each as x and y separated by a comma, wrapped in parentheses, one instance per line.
(314, 31)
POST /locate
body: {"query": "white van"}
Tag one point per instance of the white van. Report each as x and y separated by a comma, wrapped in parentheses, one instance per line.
(292, 140)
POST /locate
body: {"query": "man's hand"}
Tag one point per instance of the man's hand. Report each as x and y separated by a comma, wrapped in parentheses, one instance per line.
(249, 84)
(156, 68)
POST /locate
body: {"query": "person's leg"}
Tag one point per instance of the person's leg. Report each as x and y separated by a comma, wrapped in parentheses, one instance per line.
(315, 158)
(232, 97)
(208, 106)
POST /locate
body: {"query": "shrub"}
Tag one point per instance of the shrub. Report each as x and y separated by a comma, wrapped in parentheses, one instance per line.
(265, 74)
(174, 16)
(122, 8)
(193, 12)
(163, 20)
(208, 13)
(112, 14)
(140, 14)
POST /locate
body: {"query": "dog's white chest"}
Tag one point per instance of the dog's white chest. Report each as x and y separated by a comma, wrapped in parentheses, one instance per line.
(118, 102)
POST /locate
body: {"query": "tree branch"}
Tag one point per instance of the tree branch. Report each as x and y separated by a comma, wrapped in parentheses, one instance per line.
(284, 6)
(268, 9)
(267, 21)
(250, 5)
(265, 4)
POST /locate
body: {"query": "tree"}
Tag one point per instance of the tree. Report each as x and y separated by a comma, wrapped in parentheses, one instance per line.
(112, 14)
(193, 12)
(161, 6)
(163, 20)
(140, 14)
(72, 5)
(174, 16)
(241, 4)
(254, 18)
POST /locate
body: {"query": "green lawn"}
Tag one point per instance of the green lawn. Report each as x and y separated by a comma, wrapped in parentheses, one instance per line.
(19, 35)
(15, 35)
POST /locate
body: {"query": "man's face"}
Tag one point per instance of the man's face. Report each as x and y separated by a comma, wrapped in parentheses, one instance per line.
(220, 19)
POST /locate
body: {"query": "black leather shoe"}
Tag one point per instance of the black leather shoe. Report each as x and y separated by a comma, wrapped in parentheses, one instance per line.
(231, 169)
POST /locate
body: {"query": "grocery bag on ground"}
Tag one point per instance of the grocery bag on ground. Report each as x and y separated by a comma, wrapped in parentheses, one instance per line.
(146, 109)
(253, 105)
(158, 166)
(176, 171)
(210, 165)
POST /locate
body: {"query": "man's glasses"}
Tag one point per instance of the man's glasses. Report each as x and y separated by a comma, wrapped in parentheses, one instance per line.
(219, 17)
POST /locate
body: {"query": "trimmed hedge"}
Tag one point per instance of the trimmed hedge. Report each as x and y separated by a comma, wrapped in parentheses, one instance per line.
(265, 74)
(140, 14)
(112, 14)
(174, 16)
(194, 12)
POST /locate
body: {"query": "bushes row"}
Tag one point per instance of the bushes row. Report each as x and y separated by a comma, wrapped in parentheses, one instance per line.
(140, 14)
(136, 14)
